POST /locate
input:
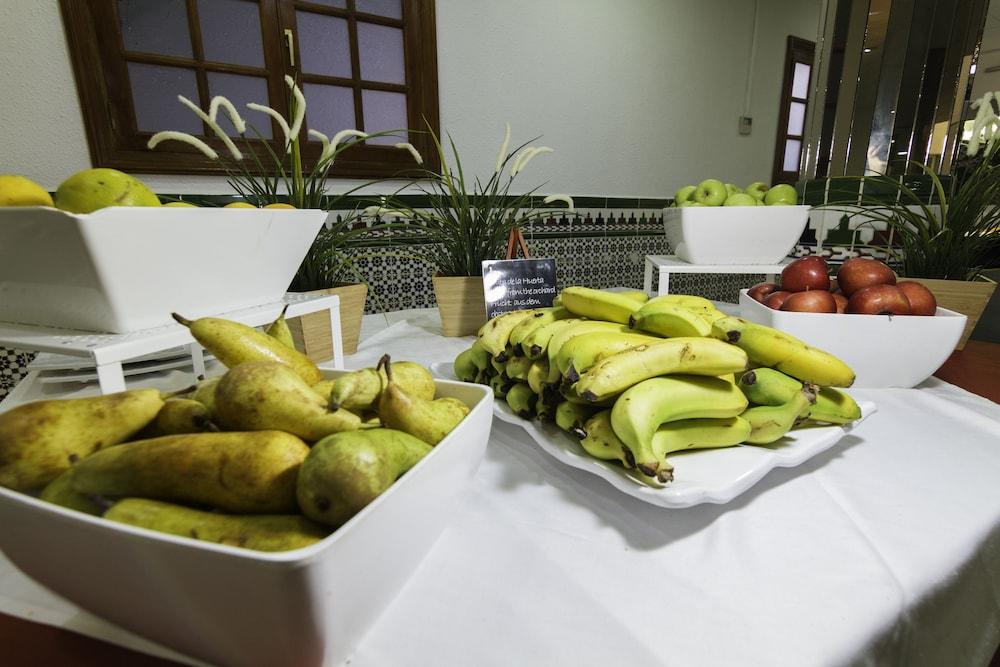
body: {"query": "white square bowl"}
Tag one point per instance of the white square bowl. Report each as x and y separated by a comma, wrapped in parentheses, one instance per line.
(123, 269)
(232, 606)
(884, 351)
(734, 234)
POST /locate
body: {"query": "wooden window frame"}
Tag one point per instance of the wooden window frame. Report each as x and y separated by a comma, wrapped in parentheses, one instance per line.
(803, 51)
(97, 54)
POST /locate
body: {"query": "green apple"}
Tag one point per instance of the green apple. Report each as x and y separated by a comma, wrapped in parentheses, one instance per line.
(711, 192)
(732, 189)
(685, 204)
(781, 195)
(757, 190)
(740, 199)
(683, 195)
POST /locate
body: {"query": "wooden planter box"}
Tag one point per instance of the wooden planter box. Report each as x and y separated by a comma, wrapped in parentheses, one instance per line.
(312, 334)
(461, 304)
(968, 297)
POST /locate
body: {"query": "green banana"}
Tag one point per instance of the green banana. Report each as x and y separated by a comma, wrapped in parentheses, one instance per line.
(500, 384)
(644, 407)
(599, 305)
(687, 300)
(517, 368)
(545, 412)
(480, 355)
(498, 366)
(695, 356)
(685, 434)
(766, 386)
(571, 417)
(537, 375)
(671, 321)
(771, 422)
(583, 351)
(540, 318)
(494, 334)
(600, 441)
(465, 366)
(537, 342)
(522, 400)
(776, 349)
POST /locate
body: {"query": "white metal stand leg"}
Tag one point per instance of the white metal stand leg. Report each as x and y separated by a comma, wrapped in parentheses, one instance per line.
(338, 340)
(664, 283)
(197, 361)
(110, 377)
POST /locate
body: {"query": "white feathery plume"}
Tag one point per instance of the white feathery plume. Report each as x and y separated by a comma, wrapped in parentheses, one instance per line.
(526, 156)
(210, 121)
(324, 140)
(343, 134)
(170, 135)
(234, 116)
(300, 107)
(413, 151)
(503, 148)
(278, 118)
(563, 198)
(379, 211)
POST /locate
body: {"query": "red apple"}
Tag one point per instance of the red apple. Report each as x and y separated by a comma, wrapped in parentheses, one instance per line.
(775, 299)
(811, 301)
(841, 302)
(859, 272)
(761, 290)
(806, 273)
(922, 301)
(879, 300)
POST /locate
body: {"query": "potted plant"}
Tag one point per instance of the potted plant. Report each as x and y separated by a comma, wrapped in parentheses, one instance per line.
(268, 178)
(946, 245)
(470, 221)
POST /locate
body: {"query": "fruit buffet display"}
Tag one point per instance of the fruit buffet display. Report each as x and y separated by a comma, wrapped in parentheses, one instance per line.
(635, 380)
(270, 456)
(713, 192)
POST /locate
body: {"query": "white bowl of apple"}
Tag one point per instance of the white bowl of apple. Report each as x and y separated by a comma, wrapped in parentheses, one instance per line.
(891, 332)
(718, 223)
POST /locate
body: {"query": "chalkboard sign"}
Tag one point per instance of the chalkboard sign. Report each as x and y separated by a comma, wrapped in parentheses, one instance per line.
(514, 284)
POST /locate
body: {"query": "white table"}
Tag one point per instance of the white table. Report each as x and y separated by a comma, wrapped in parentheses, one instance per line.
(885, 550)
(664, 265)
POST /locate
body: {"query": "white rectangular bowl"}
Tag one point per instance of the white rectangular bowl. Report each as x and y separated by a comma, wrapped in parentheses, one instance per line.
(884, 351)
(123, 269)
(734, 234)
(235, 607)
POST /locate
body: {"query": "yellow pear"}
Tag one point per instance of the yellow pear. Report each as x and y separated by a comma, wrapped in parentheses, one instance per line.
(92, 189)
(239, 204)
(181, 204)
(278, 205)
(360, 390)
(179, 415)
(20, 191)
(41, 440)
(278, 329)
(60, 492)
(430, 421)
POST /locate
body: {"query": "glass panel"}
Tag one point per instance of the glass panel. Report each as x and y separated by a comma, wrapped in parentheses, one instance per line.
(324, 44)
(791, 161)
(391, 8)
(329, 109)
(155, 26)
(154, 93)
(381, 53)
(800, 81)
(230, 32)
(384, 111)
(339, 4)
(240, 89)
(796, 118)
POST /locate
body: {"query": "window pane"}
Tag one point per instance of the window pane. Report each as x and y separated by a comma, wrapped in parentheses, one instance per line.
(800, 81)
(329, 109)
(324, 44)
(155, 26)
(791, 161)
(796, 118)
(381, 53)
(384, 111)
(230, 32)
(340, 4)
(391, 8)
(240, 89)
(154, 92)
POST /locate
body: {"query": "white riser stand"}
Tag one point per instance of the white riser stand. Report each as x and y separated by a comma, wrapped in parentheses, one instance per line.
(108, 351)
(664, 265)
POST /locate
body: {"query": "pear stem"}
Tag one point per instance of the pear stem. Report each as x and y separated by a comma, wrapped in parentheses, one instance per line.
(281, 315)
(181, 320)
(384, 362)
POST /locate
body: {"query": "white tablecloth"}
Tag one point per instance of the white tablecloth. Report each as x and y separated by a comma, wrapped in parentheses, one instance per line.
(885, 550)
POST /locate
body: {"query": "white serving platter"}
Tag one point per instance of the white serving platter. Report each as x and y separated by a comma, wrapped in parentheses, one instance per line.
(701, 476)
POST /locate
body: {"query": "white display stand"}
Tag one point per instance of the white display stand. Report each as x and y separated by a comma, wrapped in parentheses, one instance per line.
(108, 351)
(664, 265)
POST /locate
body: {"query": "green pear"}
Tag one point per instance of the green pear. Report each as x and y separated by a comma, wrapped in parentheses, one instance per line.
(92, 189)
(245, 473)
(279, 330)
(179, 415)
(429, 420)
(39, 441)
(266, 395)
(346, 471)
(360, 390)
(204, 393)
(261, 532)
(234, 343)
(60, 492)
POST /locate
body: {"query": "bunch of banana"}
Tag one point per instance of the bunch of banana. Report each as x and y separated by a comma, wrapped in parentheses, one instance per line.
(636, 380)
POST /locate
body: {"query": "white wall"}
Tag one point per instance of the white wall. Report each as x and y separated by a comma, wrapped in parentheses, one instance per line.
(638, 97)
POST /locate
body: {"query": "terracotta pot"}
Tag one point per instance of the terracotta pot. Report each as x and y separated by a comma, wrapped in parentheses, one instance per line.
(311, 332)
(968, 297)
(461, 304)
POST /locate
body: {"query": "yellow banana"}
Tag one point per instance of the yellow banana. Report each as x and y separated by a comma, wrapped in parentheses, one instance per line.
(494, 334)
(538, 319)
(776, 349)
(670, 321)
(599, 305)
(571, 417)
(517, 368)
(644, 407)
(537, 375)
(685, 434)
(600, 441)
(537, 342)
(583, 351)
(770, 422)
(695, 356)
(582, 327)
(766, 386)
(688, 300)
(522, 400)
(635, 295)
